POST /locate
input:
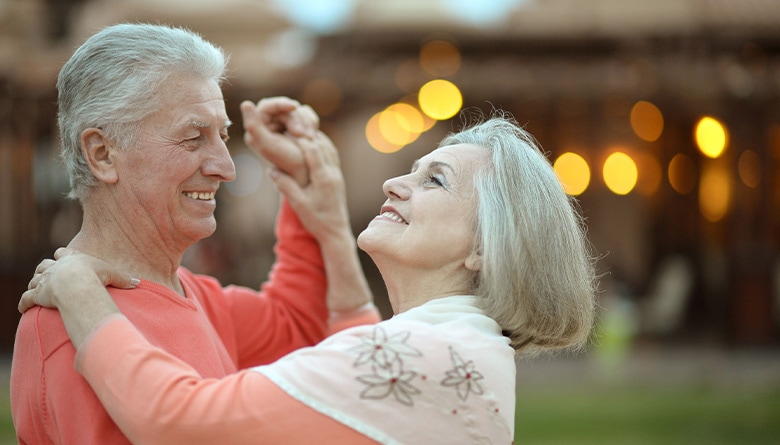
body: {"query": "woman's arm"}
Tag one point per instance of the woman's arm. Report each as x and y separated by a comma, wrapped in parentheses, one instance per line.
(321, 206)
(74, 285)
(154, 397)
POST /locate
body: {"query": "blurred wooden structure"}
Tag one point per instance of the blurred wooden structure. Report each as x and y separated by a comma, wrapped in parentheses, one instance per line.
(570, 69)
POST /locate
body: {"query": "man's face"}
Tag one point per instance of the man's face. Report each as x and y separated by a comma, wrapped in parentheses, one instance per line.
(170, 176)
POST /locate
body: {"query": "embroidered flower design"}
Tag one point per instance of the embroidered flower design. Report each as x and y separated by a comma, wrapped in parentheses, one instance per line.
(383, 350)
(385, 353)
(389, 380)
(463, 376)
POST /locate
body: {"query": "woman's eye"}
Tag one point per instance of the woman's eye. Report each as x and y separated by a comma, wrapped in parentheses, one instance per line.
(435, 180)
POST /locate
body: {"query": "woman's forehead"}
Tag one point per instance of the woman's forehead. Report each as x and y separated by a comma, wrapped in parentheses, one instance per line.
(459, 155)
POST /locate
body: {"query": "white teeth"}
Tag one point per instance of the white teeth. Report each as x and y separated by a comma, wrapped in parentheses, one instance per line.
(394, 216)
(200, 195)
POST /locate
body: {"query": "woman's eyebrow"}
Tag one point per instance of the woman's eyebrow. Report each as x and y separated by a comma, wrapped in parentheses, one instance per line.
(432, 165)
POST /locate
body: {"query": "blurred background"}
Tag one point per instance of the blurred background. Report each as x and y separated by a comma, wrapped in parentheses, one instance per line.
(661, 117)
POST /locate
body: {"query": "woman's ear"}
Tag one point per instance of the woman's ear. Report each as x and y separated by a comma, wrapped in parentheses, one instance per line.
(474, 260)
(99, 154)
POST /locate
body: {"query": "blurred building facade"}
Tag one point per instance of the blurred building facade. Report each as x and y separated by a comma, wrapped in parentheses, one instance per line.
(575, 72)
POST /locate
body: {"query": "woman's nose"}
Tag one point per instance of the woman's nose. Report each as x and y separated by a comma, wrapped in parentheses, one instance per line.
(396, 188)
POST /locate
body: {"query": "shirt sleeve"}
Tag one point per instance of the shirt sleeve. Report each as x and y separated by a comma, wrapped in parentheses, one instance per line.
(290, 310)
(51, 402)
(287, 313)
(156, 398)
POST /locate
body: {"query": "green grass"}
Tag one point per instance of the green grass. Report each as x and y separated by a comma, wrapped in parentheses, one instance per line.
(7, 432)
(648, 415)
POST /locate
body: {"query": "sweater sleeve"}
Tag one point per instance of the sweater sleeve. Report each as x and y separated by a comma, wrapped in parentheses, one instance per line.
(290, 311)
(155, 398)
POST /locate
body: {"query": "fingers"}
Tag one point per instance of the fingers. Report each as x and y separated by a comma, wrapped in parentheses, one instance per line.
(313, 155)
(320, 153)
(27, 300)
(68, 267)
(279, 115)
(40, 270)
(35, 280)
(43, 265)
(303, 122)
(63, 251)
(288, 187)
(330, 153)
(114, 277)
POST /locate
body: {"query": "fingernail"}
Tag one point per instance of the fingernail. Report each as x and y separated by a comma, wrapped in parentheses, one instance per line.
(134, 282)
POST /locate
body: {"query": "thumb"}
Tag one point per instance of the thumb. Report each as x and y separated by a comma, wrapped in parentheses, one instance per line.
(118, 279)
(112, 276)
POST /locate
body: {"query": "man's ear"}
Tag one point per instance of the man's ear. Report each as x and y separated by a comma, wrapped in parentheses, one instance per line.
(474, 260)
(99, 154)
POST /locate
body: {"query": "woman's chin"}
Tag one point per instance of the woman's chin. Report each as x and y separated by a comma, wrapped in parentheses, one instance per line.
(370, 241)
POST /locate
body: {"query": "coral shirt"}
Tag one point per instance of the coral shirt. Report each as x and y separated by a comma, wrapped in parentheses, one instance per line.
(216, 330)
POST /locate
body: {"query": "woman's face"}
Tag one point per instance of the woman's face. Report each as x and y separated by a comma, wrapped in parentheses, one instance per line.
(428, 219)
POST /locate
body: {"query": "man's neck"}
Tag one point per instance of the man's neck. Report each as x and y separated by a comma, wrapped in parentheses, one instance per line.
(141, 256)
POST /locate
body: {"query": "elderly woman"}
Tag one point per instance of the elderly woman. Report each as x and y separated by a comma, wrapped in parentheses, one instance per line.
(484, 258)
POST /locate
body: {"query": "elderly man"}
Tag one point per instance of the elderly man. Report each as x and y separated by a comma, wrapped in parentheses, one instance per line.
(144, 130)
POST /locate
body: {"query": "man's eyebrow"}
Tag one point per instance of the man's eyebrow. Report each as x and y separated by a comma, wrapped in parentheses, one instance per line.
(201, 124)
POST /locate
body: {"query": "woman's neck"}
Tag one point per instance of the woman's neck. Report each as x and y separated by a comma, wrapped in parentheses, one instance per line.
(409, 287)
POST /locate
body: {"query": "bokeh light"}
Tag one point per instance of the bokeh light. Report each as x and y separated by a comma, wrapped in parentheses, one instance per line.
(620, 173)
(249, 175)
(711, 137)
(409, 76)
(650, 175)
(323, 95)
(749, 168)
(320, 16)
(400, 124)
(483, 12)
(573, 173)
(376, 139)
(396, 126)
(440, 99)
(682, 174)
(411, 100)
(714, 192)
(647, 121)
(440, 58)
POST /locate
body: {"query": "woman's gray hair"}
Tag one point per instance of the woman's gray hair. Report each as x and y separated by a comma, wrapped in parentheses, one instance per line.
(537, 276)
(111, 82)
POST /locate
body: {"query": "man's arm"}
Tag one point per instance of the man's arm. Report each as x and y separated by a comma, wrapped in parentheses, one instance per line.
(322, 207)
(286, 134)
